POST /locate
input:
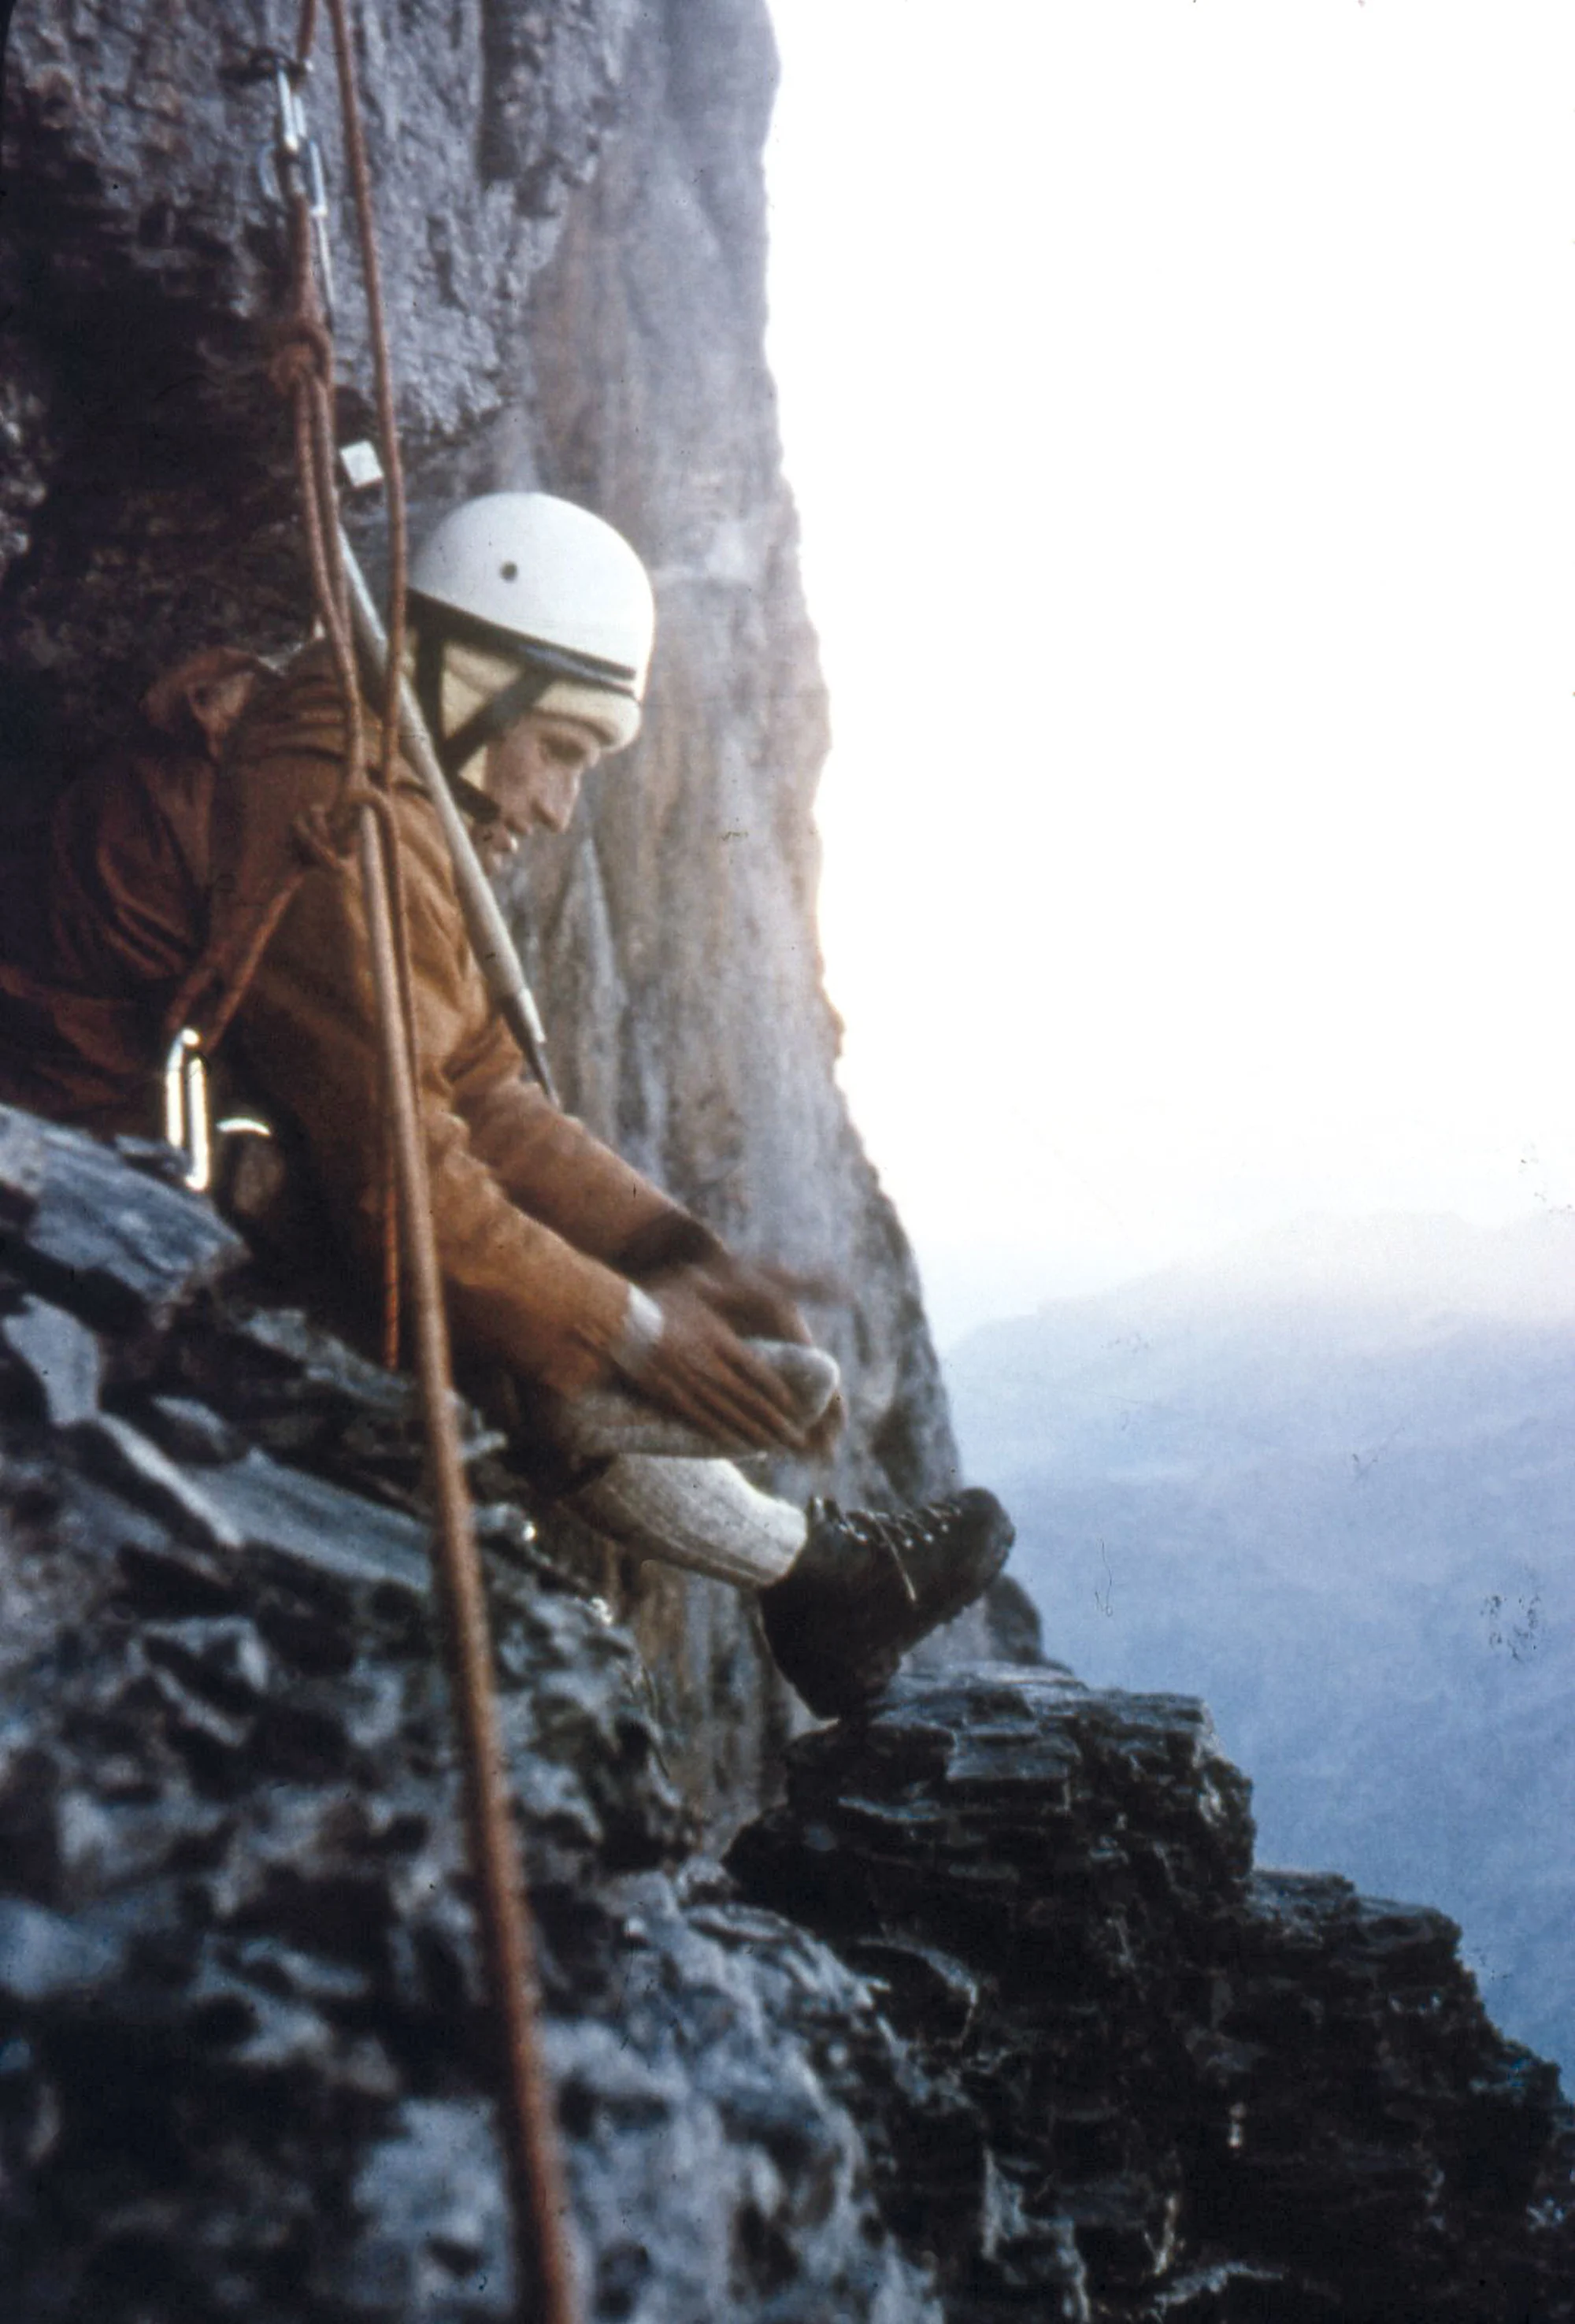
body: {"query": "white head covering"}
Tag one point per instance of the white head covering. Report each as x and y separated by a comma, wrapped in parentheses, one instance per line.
(472, 677)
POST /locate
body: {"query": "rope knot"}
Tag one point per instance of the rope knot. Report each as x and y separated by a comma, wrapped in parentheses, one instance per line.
(325, 835)
(321, 836)
(305, 352)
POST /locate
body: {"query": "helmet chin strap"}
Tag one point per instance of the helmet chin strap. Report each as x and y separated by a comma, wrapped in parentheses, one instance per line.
(492, 719)
(479, 805)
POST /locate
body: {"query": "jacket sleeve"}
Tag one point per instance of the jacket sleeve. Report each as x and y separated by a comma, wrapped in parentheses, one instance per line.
(552, 1167)
(529, 1208)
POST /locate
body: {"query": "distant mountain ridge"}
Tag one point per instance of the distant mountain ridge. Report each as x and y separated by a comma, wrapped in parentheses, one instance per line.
(1329, 1483)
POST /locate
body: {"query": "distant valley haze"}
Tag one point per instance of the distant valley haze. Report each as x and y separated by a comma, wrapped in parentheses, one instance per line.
(1327, 1481)
(1177, 404)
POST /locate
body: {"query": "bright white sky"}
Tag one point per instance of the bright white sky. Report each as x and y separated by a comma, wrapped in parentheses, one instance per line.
(1180, 399)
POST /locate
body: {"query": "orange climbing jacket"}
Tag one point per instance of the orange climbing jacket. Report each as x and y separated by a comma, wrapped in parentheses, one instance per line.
(163, 866)
(99, 926)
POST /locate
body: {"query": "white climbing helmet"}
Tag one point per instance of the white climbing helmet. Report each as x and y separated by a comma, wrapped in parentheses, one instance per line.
(553, 591)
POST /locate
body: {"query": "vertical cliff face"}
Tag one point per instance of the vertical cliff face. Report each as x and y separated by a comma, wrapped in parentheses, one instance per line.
(573, 232)
(675, 930)
(993, 2016)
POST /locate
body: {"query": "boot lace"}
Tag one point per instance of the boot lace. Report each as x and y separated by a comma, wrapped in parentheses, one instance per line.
(896, 1537)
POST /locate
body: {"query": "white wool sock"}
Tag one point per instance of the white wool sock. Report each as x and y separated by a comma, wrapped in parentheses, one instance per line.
(702, 1514)
(667, 1494)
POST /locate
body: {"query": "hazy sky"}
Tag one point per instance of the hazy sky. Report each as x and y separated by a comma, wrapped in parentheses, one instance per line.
(1180, 397)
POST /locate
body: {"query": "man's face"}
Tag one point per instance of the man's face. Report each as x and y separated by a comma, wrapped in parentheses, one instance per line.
(533, 775)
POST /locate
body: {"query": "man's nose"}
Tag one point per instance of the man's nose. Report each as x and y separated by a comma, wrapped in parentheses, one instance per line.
(558, 797)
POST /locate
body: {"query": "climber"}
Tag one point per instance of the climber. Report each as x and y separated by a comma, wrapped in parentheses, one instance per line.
(641, 1353)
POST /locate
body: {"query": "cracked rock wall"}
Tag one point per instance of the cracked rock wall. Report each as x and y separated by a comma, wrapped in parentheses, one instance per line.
(573, 228)
(992, 2018)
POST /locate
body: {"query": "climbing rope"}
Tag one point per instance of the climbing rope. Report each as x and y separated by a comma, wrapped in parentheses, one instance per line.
(303, 370)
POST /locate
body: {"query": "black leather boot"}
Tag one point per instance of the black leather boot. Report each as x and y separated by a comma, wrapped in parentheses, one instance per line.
(867, 1586)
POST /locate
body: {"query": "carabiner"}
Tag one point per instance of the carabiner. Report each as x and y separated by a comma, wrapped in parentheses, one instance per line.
(186, 1116)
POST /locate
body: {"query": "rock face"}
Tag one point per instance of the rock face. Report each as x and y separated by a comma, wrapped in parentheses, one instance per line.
(242, 2070)
(572, 225)
(991, 2018)
(1188, 2090)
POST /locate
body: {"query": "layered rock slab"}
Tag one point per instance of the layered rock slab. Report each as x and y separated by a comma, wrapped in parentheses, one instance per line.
(244, 2059)
(1185, 2089)
(1003, 2024)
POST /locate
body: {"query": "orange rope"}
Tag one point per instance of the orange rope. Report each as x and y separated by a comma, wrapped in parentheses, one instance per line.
(304, 367)
(539, 2198)
(383, 376)
(388, 436)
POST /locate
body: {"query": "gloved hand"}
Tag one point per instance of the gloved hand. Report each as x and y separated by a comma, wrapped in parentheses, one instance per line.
(759, 1301)
(700, 1368)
